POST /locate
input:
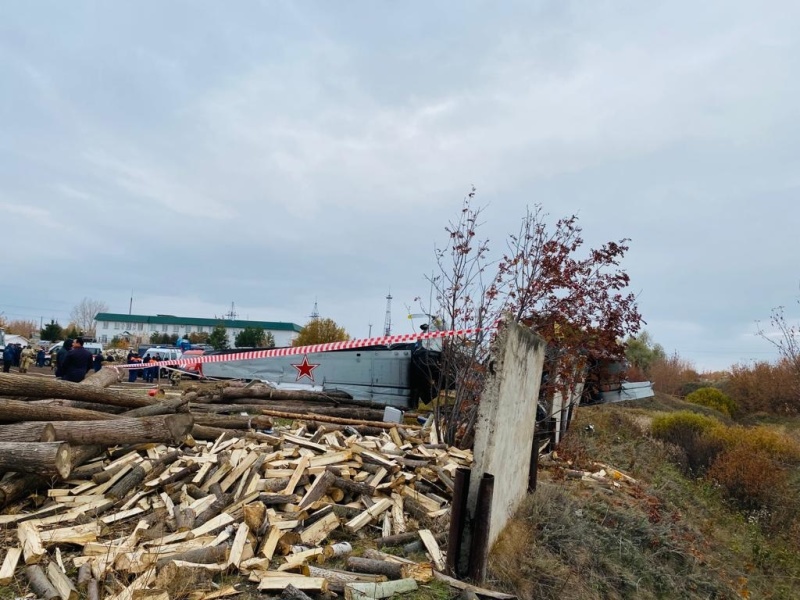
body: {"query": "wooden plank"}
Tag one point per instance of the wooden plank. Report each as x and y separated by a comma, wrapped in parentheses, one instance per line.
(296, 560)
(240, 469)
(9, 565)
(7, 519)
(433, 548)
(427, 503)
(279, 583)
(398, 515)
(319, 530)
(237, 548)
(77, 534)
(304, 443)
(378, 477)
(140, 583)
(296, 475)
(61, 582)
(460, 585)
(270, 542)
(31, 542)
(121, 515)
(368, 515)
(217, 522)
(386, 589)
(331, 458)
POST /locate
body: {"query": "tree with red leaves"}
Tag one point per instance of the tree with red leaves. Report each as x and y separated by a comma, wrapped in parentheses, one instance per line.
(575, 299)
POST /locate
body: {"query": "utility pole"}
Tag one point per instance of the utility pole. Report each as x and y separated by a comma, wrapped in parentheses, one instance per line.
(387, 323)
(130, 306)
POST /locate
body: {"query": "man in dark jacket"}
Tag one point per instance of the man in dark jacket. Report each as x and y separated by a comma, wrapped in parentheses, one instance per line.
(62, 354)
(8, 358)
(77, 363)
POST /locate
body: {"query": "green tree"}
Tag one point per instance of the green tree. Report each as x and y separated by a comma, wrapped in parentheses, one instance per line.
(219, 337)
(320, 331)
(72, 331)
(52, 331)
(197, 337)
(642, 353)
(251, 337)
(269, 340)
(118, 342)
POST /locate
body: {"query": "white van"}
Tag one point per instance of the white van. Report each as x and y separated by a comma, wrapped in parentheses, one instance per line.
(93, 347)
(164, 353)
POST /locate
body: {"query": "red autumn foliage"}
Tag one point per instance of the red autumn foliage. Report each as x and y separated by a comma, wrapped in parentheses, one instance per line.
(575, 298)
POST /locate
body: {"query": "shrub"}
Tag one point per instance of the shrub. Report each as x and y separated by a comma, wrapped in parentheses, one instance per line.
(763, 386)
(688, 431)
(775, 445)
(671, 373)
(752, 480)
(692, 386)
(672, 427)
(713, 398)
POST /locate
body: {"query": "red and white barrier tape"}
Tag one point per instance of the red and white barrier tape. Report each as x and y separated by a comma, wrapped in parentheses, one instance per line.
(315, 348)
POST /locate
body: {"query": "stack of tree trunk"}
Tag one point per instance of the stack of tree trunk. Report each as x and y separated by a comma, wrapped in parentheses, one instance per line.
(144, 500)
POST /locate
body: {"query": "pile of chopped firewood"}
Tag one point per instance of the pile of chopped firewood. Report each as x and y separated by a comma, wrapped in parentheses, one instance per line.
(268, 509)
(283, 506)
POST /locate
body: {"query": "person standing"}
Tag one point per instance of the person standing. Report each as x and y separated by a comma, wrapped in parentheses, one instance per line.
(25, 359)
(8, 358)
(77, 363)
(133, 373)
(53, 359)
(40, 357)
(146, 370)
(62, 354)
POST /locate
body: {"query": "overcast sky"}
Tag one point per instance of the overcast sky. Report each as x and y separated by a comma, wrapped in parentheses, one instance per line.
(272, 154)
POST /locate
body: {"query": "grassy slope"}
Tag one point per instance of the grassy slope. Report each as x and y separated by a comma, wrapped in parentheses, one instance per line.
(666, 537)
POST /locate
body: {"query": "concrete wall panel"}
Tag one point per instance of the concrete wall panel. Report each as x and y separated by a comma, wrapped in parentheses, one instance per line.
(506, 420)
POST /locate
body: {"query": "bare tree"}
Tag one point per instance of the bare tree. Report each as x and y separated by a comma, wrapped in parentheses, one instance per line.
(786, 339)
(84, 313)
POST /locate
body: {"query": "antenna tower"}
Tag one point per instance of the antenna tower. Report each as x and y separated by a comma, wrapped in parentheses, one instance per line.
(314, 313)
(232, 314)
(387, 324)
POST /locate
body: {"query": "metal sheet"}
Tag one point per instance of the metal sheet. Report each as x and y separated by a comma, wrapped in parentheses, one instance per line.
(635, 390)
(379, 375)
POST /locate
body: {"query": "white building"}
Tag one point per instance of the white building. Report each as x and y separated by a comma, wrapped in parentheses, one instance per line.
(111, 325)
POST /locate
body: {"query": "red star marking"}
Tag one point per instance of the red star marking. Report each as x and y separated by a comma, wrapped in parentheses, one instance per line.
(304, 369)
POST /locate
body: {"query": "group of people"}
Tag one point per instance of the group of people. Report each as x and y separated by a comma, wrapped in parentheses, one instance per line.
(14, 355)
(73, 361)
(149, 374)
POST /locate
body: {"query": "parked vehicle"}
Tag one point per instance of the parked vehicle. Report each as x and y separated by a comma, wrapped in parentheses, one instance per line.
(93, 347)
(164, 354)
(195, 370)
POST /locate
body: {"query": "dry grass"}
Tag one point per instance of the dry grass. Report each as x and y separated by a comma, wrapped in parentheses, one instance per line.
(669, 537)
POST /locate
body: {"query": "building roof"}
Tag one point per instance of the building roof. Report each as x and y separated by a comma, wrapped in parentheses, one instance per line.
(173, 320)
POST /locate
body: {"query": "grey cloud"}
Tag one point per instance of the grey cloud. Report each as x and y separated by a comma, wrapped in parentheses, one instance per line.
(280, 152)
